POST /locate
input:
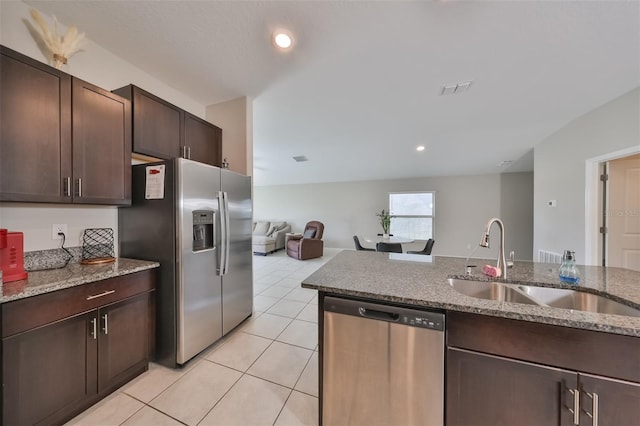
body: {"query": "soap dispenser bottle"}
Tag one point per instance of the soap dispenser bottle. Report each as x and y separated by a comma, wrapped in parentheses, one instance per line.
(568, 270)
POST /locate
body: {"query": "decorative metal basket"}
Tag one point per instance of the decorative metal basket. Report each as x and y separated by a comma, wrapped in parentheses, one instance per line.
(97, 246)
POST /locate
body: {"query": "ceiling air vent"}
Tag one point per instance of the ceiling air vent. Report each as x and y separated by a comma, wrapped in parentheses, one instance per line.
(455, 88)
(300, 158)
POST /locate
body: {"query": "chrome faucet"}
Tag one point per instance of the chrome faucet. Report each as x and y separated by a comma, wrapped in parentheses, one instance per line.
(502, 261)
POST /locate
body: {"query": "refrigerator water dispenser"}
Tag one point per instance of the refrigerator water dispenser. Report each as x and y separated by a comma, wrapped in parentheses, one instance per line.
(203, 229)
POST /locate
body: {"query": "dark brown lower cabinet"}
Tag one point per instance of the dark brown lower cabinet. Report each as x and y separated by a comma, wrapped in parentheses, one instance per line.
(123, 345)
(57, 362)
(509, 372)
(49, 371)
(605, 401)
(488, 390)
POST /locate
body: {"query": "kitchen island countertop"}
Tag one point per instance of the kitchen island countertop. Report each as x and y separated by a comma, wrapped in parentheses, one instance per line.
(422, 281)
(40, 282)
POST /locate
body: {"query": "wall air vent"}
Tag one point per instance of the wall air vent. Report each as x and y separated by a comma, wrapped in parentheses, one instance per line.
(455, 88)
(300, 158)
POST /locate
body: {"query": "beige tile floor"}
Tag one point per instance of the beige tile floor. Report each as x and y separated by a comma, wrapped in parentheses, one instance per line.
(263, 373)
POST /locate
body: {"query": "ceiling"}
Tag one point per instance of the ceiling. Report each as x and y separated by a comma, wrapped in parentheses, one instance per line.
(361, 87)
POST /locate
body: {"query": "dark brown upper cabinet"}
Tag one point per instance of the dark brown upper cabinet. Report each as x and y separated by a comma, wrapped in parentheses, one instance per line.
(203, 140)
(101, 146)
(62, 140)
(157, 124)
(162, 130)
(35, 130)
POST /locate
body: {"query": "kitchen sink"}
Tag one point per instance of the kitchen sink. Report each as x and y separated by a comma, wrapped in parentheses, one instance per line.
(543, 296)
(491, 291)
(578, 300)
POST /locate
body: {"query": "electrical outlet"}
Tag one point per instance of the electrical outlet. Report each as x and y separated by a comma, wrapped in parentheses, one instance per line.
(57, 227)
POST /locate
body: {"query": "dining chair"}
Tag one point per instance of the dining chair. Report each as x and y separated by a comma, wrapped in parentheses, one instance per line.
(389, 247)
(359, 246)
(427, 248)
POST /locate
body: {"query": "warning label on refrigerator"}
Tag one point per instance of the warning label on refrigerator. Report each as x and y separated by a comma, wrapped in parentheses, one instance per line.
(154, 188)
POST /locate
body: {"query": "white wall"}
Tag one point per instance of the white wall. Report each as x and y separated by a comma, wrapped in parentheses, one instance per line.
(464, 204)
(95, 65)
(560, 172)
(235, 118)
(516, 211)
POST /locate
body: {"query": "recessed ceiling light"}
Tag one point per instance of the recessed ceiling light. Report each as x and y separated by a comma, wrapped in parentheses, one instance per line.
(282, 39)
(300, 158)
(420, 148)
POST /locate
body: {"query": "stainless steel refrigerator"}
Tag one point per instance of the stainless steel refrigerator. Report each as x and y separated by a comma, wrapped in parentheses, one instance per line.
(195, 219)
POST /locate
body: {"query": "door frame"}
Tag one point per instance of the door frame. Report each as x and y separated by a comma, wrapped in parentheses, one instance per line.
(593, 194)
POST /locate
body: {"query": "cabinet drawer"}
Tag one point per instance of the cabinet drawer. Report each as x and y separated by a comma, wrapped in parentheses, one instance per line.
(26, 314)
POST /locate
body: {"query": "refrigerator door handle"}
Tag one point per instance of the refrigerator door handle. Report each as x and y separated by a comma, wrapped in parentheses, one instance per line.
(222, 252)
(226, 234)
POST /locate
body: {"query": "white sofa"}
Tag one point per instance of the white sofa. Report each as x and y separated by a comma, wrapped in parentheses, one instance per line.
(269, 236)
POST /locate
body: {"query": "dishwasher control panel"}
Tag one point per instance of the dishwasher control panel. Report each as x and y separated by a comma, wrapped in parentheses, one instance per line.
(433, 322)
(388, 313)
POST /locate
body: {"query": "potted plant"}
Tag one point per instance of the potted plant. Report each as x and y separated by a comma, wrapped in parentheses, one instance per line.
(385, 222)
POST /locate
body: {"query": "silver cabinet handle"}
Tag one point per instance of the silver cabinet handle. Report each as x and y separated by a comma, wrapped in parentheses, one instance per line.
(576, 406)
(105, 327)
(94, 332)
(594, 408)
(67, 187)
(189, 152)
(104, 293)
(79, 187)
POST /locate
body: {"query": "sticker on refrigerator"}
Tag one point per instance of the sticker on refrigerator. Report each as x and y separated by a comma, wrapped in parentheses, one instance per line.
(154, 188)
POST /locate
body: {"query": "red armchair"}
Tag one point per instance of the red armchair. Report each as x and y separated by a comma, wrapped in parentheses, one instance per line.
(309, 245)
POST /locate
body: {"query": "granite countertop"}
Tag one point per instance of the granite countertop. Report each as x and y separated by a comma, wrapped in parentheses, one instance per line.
(422, 281)
(39, 282)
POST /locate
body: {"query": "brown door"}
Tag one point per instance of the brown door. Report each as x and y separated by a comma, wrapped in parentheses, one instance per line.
(35, 130)
(623, 213)
(489, 390)
(613, 402)
(49, 372)
(124, 341)
(101, 145)
(203, 140)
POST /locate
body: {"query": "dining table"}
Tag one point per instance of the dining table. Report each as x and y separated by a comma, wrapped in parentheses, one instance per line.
(391, 239)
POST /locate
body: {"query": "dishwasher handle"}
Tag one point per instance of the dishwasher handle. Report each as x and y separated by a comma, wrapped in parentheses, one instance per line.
(378, 314)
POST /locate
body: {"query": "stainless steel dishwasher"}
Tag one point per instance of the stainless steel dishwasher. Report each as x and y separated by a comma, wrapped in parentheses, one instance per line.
(382, 365)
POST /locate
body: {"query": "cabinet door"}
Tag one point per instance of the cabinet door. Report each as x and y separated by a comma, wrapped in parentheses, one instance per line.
(203, 140)
(488, 390)
(157, 126)
(35, 130)
(124, 341)
(101, 146)
(613, 402)
(49, 372)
